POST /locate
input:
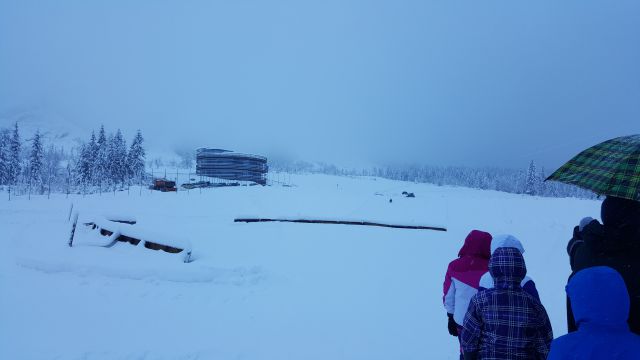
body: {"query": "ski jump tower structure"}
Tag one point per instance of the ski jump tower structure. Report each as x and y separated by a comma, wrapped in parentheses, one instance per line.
(230, 165)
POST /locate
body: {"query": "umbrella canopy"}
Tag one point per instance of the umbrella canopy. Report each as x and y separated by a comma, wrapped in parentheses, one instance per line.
(611, 168)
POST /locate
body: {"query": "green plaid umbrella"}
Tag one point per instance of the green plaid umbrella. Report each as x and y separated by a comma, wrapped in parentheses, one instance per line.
(610, 168)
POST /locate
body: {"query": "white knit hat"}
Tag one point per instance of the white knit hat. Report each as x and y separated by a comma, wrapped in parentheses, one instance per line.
(500, 241)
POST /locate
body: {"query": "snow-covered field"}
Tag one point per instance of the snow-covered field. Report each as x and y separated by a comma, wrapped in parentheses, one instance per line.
(262, 291)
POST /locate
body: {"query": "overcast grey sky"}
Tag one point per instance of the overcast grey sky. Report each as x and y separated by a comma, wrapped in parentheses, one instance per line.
(346, 81)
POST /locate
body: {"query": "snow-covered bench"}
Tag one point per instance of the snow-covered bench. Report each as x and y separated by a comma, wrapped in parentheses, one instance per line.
(108, 231)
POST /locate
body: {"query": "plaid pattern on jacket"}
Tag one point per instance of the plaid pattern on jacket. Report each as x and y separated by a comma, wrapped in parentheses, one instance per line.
(505, 322)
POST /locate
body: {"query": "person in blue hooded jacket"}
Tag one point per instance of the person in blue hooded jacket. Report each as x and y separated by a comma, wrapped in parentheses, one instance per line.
(600, 303)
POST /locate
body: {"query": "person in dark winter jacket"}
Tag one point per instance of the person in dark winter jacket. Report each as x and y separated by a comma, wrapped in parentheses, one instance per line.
(463, 276)
(501, 241)
(505, 322)
(601, 307)
(614, 243)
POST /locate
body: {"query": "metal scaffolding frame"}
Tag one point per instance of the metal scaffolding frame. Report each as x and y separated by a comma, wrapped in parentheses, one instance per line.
(229, 165)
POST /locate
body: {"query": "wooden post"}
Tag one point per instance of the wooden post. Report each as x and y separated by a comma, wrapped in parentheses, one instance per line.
(73, 229)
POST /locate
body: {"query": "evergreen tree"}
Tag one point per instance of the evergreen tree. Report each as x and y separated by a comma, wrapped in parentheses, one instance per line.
(117, 155)
(36, 161)
(4, 156)
(90, 160)
(101, 157)
(15, 149)
(542, 185)
(84, 166)
(531, 184)
(136, 157)
(102, 136)
(51, 170)
(100, 172)
(68, 177)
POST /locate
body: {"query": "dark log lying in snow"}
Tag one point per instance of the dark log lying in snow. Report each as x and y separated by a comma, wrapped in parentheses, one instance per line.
(341, 222)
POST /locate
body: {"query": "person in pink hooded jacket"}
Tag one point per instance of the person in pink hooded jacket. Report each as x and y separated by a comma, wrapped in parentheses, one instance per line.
(463, 275)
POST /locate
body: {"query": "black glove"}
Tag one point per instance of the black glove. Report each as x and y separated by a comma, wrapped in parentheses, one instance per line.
(577, 231)
(585, 221)
(453, 327)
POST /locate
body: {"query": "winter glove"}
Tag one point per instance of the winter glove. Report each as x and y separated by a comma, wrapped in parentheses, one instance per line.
(584, 222)
(453, 327)
(575, 241)
(577, 235)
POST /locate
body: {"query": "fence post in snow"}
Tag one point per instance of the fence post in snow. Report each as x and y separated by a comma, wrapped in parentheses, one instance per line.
(73, 229)
(70, 212)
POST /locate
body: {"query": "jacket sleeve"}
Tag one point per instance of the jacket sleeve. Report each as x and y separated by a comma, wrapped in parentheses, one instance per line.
(449, 289)
(575, 243)
(471, 329)
(530, 288)
(544, 336)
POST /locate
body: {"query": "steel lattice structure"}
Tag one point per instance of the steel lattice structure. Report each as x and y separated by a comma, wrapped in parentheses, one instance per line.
(229, 165)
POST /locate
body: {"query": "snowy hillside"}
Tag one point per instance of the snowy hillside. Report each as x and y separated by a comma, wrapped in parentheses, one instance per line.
(56, 129)
(59, 130)
(265, 290)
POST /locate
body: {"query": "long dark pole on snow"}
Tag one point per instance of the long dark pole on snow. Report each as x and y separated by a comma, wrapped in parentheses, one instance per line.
(341, 222)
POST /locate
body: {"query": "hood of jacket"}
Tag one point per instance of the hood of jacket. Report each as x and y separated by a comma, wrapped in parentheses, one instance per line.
(599, 297)
(478, 244)
(507, 268)
(500, 241)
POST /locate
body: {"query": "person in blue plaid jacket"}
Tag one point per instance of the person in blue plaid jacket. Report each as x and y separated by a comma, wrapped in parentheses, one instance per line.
(506, 322)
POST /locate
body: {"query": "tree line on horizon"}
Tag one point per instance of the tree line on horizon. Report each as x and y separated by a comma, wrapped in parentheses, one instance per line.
(104, 163)
(529, 181)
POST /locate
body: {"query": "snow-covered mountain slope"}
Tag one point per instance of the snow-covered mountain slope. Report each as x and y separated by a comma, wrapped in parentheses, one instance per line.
(56, 129)
(61, 131)
(266, 290)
